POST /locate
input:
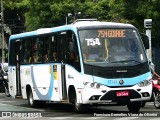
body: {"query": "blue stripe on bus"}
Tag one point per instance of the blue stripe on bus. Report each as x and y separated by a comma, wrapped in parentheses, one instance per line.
(22, 35)
(50, 90)
(127, 81)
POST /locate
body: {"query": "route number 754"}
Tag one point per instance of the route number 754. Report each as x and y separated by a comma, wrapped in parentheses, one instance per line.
(93, 41)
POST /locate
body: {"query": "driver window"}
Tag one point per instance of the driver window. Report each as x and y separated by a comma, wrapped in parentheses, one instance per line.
(72, 55)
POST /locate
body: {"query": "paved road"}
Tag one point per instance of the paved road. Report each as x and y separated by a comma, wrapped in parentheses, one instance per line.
(18, 109)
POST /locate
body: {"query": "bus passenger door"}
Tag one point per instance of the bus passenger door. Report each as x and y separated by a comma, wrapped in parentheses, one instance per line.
(61, 56)
(69, 58)
(63, 82)
(16, 69)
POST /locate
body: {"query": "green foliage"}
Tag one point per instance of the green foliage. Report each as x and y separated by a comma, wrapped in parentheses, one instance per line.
(50, 13)
(12, 4)
(135, 11)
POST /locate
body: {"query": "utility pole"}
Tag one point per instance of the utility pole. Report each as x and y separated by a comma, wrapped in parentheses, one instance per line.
(75, 9)
(2, 30)
(148, 26)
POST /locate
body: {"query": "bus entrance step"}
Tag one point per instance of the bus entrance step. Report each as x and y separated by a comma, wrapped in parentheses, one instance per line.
(64, 101)
(18, 97)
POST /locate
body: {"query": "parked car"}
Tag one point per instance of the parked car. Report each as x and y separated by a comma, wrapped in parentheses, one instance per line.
(4, 78)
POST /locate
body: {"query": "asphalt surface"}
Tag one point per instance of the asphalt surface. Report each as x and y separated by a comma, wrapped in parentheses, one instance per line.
(11, 108)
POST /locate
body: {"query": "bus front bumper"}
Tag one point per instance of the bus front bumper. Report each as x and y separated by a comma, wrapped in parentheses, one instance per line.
(116, 95)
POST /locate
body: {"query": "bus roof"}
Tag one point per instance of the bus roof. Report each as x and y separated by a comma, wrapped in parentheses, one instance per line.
(82, 23)
(85, 23)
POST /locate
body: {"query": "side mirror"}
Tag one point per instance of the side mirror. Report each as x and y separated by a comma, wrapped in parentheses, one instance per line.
(145, 40)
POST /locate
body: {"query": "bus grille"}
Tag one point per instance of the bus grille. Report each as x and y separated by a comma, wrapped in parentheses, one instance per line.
(111, 95)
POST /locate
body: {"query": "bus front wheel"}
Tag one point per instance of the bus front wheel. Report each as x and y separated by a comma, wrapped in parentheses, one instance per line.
(80, 108)
(143, 103)
(134, 106)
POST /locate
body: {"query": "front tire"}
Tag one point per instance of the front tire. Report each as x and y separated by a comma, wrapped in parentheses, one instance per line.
(143, 103)
(80, 108)
(157, 101)
(134, 106)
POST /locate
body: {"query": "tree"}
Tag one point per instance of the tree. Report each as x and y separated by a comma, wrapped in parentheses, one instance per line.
(50, 13)
(14, 14)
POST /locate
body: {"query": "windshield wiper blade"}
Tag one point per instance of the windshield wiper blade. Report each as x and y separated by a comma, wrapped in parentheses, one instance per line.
(126, 61)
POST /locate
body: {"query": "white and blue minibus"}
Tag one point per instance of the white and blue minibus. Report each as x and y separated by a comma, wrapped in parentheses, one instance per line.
(86, 63)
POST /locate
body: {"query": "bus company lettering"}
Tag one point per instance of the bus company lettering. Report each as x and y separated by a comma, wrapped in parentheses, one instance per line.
(112, 81)
(111, 33)
(55, 72)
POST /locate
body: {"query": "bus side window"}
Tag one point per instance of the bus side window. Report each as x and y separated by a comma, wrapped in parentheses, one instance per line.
(45, 58)
(34, 58)
(54, 56)
(25, 51)
(53, 48)
(23, 55)
(72, 51)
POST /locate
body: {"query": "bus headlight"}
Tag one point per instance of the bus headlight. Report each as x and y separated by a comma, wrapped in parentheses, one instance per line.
(145, 83)
(93, 85)
(98, 85)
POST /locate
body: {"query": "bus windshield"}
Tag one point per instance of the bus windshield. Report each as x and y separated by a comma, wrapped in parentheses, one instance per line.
(111, 47)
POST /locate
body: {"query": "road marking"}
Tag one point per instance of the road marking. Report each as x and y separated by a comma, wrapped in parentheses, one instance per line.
(7, 101)
(93, 118)
(126, 118)
(61, 118)
(155, 118)
(150, 103)
(17, 108)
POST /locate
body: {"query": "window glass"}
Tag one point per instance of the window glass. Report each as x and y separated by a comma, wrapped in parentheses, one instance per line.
(53, 48)
(109, 47)
(26, 50)
(37, 50)
(11, 53)
(72, 54)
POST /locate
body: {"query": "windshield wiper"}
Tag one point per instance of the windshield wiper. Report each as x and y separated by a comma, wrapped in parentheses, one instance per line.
(126, 61)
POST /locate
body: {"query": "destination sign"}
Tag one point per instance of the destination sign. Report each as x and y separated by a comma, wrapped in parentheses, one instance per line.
(111, 33)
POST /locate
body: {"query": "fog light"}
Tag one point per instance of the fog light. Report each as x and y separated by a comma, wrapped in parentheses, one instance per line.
(98, 86)
(94, 97)
(145, 94)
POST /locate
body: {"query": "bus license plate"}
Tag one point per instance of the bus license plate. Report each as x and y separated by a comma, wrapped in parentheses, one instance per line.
(122, 93)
